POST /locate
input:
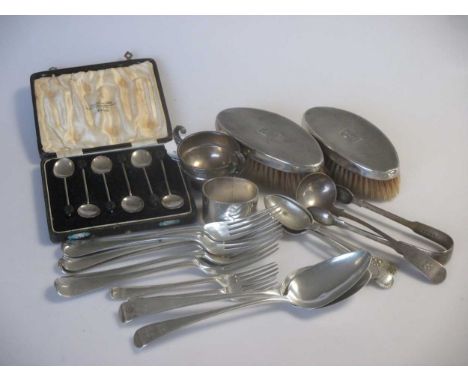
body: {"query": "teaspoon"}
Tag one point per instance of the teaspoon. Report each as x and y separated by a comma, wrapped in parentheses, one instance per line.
(310, 287)
(102, 165)
(142, 159)
(64, 168)
(87, 210)
(170, 201)
(131, 203)
(296, 218)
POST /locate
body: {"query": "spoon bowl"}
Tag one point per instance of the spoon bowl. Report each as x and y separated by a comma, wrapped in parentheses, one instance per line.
(101, 165)
(64, 168)
(316, 190)
(141, 158)
(311, 287)
(132, 204)
(88, 211)
(172, 201)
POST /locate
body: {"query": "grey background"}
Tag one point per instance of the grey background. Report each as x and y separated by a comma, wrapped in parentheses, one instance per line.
(408, 75)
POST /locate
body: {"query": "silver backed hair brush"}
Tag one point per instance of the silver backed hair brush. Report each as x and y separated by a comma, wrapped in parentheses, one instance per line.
(279, 153)
(357, 154)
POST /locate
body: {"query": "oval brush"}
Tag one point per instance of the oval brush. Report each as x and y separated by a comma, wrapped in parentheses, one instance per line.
(357, 154)
(279, 153)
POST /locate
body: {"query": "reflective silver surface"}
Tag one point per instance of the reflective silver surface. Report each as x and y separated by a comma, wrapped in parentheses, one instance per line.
(228, 198)
(63, 168)
(170, 201)
(87, 210)
(208, 154)
(131, 203)
(272, 139)
(309, 287)
(353, 142)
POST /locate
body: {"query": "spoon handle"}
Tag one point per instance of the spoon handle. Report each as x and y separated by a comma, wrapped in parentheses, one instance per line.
(140, 306)
(149, 333)
(77, 264)
(421, 229)
(75, 285)
(420, 259)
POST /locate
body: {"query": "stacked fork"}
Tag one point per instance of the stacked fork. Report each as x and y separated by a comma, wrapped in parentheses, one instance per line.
(242, 243)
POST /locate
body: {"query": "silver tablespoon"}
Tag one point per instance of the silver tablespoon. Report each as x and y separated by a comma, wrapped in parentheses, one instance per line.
(87, 210)
(102, 165)
(170, 201)
(310, 287)
(131, 203)
(319, 190)
(64, 168)
(296, 218)
(142, 159)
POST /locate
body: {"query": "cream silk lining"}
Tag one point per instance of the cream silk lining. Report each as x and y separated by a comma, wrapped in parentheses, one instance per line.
(99, 108)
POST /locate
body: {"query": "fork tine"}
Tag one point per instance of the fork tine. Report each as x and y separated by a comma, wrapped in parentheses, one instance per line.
(257, 272)
(273, 270)
(260, 281)
(248, 219)
(249, 260)
(264, 286)
(260, 267)
(253, 240)
(248, 228)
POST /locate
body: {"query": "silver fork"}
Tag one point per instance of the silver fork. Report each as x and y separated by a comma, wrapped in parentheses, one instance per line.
(223, 280)
(217, 231)
(220, 252)
(78, 284)
(256, 279)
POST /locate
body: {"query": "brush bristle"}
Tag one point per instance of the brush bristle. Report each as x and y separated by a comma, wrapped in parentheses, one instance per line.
(365, 188)
(275, 180)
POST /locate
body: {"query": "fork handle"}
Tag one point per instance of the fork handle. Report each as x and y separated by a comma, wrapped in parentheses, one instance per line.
(149, 333)
(76, 264)
(123, 293)
(76, 285)
(137, 307)
(98, 245)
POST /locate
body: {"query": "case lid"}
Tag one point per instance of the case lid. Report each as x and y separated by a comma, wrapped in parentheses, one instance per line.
(94, 107)
(353, 142)
(272, 139)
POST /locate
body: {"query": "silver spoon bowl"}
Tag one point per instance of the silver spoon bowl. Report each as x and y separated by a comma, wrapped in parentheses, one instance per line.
(310, 287)
(143, 159)
(319, 190)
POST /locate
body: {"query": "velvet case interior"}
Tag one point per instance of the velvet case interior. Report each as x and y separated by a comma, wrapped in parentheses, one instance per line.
(112, 110)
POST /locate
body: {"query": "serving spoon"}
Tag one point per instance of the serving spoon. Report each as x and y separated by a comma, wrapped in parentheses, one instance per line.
(296, 218)
(317, 192)
(310, 287)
